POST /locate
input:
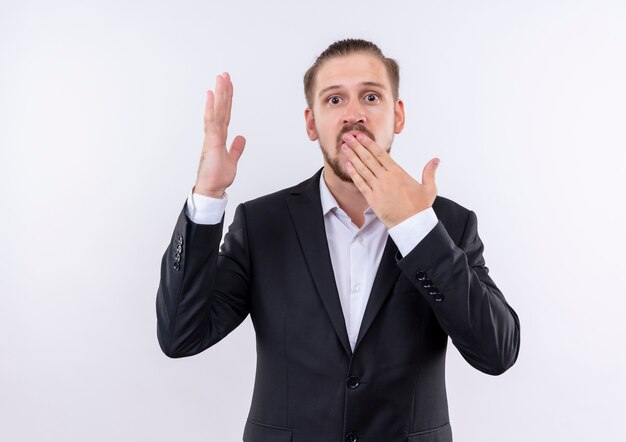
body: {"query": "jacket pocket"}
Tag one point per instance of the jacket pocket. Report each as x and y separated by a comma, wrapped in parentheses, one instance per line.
(439, 434)
(258, 432)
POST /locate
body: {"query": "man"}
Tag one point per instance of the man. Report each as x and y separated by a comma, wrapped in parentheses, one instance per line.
(354, 278)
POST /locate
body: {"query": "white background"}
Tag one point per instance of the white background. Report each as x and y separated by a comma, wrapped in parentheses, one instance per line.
(101, 109)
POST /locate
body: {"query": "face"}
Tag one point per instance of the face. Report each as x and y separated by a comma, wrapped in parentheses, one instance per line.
(352, 94)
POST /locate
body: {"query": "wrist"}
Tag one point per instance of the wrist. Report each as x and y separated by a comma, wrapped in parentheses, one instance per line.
(219, 193)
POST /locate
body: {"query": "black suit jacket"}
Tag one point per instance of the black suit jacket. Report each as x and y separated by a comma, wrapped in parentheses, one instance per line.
(310, 386)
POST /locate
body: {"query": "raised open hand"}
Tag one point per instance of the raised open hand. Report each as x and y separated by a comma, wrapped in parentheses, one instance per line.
(218, 166)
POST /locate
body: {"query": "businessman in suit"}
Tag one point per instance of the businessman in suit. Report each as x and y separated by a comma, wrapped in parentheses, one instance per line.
(354, 279)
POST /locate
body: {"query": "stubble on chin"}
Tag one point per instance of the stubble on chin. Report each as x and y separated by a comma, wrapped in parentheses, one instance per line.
(334, 164)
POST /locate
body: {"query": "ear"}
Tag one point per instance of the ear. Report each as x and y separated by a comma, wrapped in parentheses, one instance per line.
(398, 112)
(310, 124)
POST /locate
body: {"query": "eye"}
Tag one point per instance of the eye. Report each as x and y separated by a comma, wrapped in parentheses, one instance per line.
(333, 99)
(371, 97)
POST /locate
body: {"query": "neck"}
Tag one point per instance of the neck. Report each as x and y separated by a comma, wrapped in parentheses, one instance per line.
(348, 197)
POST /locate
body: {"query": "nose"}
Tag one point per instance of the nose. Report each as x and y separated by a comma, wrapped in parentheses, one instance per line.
(354, 113)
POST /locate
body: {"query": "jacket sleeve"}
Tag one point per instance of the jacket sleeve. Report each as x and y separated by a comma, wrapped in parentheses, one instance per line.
(203, 291)
(465, 300)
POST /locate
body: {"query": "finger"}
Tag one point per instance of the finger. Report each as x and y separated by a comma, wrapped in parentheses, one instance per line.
(220, 99)
(378, 152)
(236, 148)
(225, 103)
(363, 170)
(364, 155)
(428, 174)
(358, 180)
(229, 96)
(208, 107)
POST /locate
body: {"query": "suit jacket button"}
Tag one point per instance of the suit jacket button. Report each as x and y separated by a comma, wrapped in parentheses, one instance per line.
(353, 382)
(439, 297)
(177, 257)
(433, 291)
(179, 248)
(180, 239)
(351, 437)
(427, 283)
(421, 276)
(176, 266)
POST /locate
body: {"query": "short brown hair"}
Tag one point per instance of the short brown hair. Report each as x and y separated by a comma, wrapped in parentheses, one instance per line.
(346, 47)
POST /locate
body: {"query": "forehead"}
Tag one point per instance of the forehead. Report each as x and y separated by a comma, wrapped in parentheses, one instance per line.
(350, 70)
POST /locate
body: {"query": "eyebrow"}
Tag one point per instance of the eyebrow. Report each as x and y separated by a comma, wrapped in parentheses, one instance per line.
(365, 83)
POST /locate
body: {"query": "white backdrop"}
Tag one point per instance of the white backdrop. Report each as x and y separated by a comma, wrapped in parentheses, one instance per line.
(100, 132)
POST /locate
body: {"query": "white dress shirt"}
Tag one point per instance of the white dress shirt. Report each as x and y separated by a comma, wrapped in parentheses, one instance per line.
(355, 252)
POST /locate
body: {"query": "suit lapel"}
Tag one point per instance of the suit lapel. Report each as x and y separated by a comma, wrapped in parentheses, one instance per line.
(386, 277)
(306, 212)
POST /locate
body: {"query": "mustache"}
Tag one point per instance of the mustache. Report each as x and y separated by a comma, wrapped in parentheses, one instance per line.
(356, 127)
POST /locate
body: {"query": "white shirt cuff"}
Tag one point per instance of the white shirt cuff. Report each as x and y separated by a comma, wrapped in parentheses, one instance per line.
(411, 231)
(203, 209)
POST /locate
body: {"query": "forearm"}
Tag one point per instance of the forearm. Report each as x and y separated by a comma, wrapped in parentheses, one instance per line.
(468, 305)
(188, 269)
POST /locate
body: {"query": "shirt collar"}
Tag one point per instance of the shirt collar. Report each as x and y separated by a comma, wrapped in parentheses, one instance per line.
(328, 200)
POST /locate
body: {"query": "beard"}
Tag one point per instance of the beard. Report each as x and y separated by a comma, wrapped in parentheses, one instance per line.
(334, 162)
(335, 166)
